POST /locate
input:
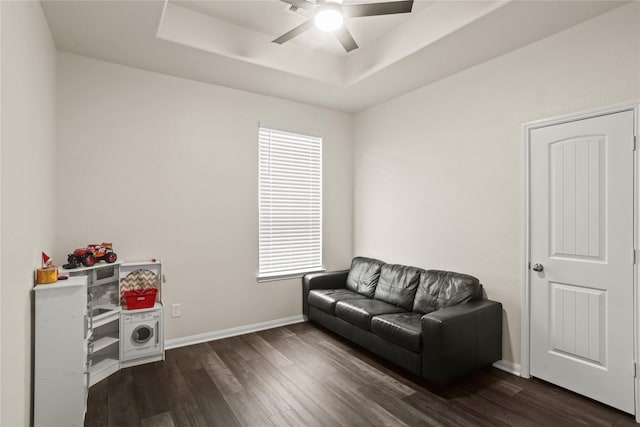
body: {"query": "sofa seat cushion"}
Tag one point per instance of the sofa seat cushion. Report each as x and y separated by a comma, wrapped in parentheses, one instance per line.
(363, 276)
(326, 299)
(360, 311)
(402, 329)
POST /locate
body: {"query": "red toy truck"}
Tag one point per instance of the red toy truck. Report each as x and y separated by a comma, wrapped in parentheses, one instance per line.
(91, 254)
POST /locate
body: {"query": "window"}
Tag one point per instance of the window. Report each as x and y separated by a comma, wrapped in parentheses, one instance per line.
(290, 204)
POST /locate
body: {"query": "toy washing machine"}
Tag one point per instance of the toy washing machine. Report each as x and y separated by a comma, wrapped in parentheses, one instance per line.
(141, 336)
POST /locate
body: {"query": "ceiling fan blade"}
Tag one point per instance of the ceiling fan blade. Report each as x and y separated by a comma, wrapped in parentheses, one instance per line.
(373, 9)
(295, 32)
(346, 39)
(302, 4)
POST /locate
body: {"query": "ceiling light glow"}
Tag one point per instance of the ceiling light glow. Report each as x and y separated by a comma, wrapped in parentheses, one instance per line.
(329, 19)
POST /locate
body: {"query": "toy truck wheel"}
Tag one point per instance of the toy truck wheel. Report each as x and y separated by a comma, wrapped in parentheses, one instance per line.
(88, 260)
(111, 257)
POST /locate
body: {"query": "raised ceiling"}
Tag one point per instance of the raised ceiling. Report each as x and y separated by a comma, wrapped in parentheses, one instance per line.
(274, 18)
(229, 43)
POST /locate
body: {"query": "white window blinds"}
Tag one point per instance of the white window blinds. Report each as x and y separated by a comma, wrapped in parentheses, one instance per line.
(290, 193)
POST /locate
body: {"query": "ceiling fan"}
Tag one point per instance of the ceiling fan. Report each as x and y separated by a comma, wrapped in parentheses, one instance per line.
(328, 15)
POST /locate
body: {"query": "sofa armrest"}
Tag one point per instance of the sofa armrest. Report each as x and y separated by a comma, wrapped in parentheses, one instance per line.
(328, 280)
(460, 339)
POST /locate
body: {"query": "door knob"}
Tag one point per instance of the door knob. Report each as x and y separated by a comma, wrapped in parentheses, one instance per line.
(538, 267)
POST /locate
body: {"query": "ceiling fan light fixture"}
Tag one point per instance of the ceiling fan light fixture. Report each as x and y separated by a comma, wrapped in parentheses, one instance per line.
(329, 18)
(328, 15)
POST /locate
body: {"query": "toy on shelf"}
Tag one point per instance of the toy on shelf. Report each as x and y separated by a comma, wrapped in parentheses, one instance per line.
(46, 261)
(90, 255)
(48, 273)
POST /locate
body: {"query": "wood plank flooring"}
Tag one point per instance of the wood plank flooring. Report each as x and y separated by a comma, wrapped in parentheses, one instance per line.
(303, 375)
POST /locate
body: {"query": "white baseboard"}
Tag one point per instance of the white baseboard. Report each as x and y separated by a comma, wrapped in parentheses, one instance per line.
(231, 332)
(507, 366)
(504, 365)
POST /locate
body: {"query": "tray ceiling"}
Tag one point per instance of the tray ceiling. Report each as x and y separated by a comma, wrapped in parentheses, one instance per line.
(229, 42)
(273, 18)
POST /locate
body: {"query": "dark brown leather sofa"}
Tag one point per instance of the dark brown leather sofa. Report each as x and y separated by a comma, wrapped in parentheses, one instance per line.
(433, 323)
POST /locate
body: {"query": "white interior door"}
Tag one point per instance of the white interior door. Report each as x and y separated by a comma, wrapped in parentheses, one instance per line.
(581, 237)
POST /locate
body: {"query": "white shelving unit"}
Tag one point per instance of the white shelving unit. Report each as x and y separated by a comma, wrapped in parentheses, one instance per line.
(104, 346)
(83, 316)
(103, 307)
(79, 327)
(61, 374)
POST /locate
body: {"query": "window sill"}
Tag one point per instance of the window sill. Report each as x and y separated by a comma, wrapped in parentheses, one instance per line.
(261, 279)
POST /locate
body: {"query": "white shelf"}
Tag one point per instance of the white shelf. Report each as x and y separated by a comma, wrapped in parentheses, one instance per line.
(141, 263)
(98, 264)
(67, 283)
(103, 342)
(107, 317)
(103, 369)
(156, 306)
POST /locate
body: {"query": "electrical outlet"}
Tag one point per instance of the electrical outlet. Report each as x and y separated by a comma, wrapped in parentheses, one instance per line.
(175, 310)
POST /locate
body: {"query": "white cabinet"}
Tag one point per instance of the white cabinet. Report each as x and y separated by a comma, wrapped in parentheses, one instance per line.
(61, 332)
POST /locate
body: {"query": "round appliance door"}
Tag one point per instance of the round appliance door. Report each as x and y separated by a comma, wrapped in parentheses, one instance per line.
(142, 334)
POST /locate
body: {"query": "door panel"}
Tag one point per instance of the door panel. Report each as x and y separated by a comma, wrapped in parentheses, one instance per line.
(582, 235)
(576, 326)
(576, 180)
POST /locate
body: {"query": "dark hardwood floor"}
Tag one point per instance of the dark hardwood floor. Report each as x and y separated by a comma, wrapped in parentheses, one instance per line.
(303, 375)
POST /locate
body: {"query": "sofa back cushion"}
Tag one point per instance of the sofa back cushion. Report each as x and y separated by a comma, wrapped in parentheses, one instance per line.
(363, 276)
(441, 289)
(398, 284)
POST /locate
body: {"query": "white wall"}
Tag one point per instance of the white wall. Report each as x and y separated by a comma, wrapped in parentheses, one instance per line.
(166, 167)
(27, 181)
(437, 171)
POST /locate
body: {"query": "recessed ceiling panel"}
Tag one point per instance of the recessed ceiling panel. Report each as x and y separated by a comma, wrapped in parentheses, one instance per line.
(273, 18)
